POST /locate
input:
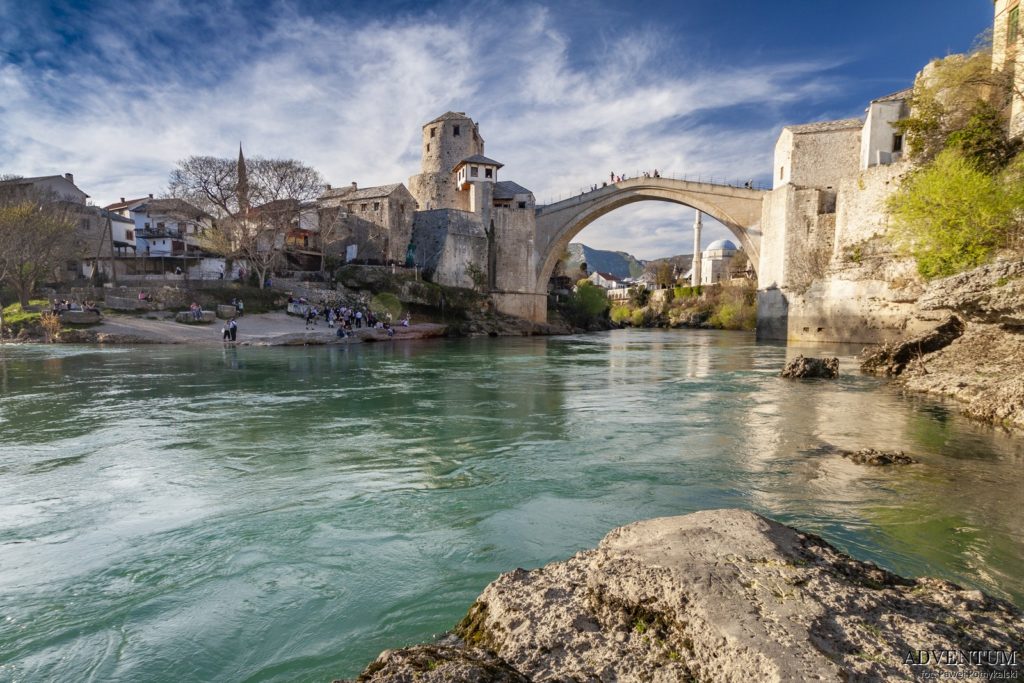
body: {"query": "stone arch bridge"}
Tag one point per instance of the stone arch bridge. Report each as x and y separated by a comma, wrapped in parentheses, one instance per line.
(737, 208)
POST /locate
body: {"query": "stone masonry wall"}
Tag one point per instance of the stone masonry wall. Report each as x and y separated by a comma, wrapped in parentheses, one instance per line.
(447, 241)
(868, 291)
(824, 159)
(514, 259)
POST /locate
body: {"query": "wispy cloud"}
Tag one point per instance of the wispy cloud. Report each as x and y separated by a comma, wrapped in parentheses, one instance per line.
(117, 98)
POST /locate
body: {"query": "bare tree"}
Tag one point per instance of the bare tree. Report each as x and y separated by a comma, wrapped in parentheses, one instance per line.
(36, 236)
(255, 203)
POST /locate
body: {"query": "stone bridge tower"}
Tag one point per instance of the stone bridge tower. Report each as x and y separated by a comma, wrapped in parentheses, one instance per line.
(447, 140)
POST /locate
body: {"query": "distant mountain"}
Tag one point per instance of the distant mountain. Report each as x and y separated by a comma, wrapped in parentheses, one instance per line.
(618, 263)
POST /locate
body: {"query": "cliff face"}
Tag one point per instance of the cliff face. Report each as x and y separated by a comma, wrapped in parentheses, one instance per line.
(722, 595)
(984, 367)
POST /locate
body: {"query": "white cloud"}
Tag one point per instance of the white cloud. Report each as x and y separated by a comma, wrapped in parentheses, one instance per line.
(349, 98)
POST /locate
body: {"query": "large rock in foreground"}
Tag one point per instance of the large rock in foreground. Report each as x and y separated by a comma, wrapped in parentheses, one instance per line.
(722, 595)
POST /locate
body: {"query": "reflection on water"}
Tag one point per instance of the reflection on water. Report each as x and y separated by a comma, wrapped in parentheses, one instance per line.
(285, 514)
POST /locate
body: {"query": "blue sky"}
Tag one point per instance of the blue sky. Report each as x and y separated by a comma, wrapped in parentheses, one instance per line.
(564, 92)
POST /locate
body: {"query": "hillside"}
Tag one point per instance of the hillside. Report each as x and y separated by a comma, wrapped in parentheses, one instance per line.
(618, 263)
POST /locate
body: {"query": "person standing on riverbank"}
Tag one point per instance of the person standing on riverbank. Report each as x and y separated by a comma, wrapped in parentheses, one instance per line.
(233, 329)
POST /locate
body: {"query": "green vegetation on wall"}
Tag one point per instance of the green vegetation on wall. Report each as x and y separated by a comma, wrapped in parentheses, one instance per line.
(951, 215)
(588, 304)
(965, 200)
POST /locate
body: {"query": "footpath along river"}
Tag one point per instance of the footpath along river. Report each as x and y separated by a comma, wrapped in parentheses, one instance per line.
(284, 514)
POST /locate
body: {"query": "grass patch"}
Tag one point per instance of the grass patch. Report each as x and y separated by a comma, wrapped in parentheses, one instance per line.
(17, 319)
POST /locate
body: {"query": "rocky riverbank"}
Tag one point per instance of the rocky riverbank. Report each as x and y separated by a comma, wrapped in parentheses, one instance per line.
(722, 595)
(976, 355)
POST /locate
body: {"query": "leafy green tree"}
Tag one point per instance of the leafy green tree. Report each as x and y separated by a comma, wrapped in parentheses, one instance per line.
(587, 304)
(983, 139)
(947, 96)
(951, 215)
(639, 296)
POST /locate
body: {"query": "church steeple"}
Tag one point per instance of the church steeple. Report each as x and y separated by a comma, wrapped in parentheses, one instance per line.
(242, 190)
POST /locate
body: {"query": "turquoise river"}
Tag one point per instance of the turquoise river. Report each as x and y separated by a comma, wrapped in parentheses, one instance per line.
(283, 514)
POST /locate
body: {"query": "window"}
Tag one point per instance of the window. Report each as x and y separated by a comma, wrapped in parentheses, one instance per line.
(782, 172)
(376, 206)
(897, 143)
(474, 171)
(362, 207)
(455, 131)
(488, 172)
(129, 235)
(433, 134)
(522, 205)
(147, 226)
(428, 146)
(71, 265)
(1013, 26)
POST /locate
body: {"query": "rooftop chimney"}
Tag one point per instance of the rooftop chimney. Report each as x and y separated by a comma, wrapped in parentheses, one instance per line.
(122, 200)
(328, 185)
(150, 195)
(70, 178)
(354, 187)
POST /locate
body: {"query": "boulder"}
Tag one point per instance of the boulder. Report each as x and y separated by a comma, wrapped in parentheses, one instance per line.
(806, 368)
(226, 311)
(892, 359)
(79, 317)
(993, 294)
(186, 318)
(439, 664)
(722, 595)
(870, 456)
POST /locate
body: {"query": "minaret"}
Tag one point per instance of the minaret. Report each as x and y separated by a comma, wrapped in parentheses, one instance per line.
(242, 190)
(695, 272)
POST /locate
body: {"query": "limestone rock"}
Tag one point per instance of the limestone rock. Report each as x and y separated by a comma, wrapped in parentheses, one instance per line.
(226, 311)
(893, 358)
(982, 370)
(439, 664)
(993, 293)
(80, 317)
(186, 318)
(870, 456)
(805, 368)
(723, 595)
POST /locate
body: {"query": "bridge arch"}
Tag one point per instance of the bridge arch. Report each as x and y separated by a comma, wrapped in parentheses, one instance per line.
(738, 209)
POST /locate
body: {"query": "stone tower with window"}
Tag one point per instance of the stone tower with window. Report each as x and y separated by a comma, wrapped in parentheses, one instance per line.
(447, 140)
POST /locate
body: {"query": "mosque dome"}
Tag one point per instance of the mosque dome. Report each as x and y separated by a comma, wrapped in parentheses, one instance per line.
(721, 245)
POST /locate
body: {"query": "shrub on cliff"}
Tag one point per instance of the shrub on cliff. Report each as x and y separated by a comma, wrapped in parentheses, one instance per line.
(735, 309)
(620, 314)
(587, 304)
(951, 215)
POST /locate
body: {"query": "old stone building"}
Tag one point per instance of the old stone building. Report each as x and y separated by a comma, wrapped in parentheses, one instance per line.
(473, 230)
(371, 224)
(100, 235)
(1006, 48)
(825, 271)
(447, 140)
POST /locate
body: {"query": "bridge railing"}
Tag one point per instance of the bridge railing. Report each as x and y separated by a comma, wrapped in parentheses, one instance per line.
(723, 181)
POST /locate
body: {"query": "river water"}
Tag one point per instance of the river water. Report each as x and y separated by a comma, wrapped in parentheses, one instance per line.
(284, 514)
